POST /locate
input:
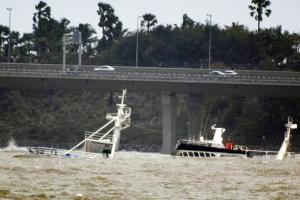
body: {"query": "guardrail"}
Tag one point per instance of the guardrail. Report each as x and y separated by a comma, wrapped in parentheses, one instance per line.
(156, 70)
(136, 76)
(149, 74)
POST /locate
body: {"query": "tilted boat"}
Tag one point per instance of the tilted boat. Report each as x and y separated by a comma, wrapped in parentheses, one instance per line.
(210, 148)
(216, 147)
(104, 140)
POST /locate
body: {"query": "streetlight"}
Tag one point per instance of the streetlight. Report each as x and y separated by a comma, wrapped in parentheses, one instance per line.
(209, 43)
(137, 42)
(9, 41)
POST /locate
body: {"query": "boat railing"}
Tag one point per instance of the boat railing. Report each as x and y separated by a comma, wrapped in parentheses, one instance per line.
(240, 147)
(45, 151)
(268, 154)
(203, 143)
(98, 137)
(193, 142)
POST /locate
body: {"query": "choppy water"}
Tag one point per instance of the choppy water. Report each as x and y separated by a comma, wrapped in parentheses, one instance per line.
(133, 175)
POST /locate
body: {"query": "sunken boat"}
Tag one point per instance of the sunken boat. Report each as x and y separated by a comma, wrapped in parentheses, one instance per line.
(210, 148)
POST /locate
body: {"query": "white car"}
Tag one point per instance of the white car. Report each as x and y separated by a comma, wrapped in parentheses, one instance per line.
(216, 73)
(230, 73)
(104, 68)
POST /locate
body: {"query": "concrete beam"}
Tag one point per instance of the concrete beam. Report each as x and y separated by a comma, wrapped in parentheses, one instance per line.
(169, 108)
(195, 116)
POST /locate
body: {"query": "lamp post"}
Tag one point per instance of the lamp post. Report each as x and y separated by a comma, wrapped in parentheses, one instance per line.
(137, 42)
(9, 40)
(64, 53)
(209, 43)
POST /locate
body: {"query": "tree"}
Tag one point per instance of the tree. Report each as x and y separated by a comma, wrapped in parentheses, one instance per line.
(14, 41)
(64, 23)
(278, 47)
(43, 12)
(187, 22)
(258, 9)
(88, 37)
(26, 48)
(41, 20)
(54, 36)
(110, 24)
(4, 34)
(235, 46)
(150, 20)
(48, 34)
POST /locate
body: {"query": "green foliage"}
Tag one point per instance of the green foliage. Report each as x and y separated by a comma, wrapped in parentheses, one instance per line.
(4, 35)
(88, 39)
(110, 24)
(60, 119)
(48, 34)
(50, 118)
(149, 20)
(41, 26)
(187, 22)
(258, 9)
(185, 45)
(26, 47)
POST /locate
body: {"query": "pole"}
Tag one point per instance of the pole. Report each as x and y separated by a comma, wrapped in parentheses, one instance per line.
(64, 54)
(9, 41)
(79, 48)
(209, 43)
(137, 42)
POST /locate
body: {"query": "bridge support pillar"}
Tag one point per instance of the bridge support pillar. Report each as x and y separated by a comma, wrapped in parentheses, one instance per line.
(195, 116)
(169, 107)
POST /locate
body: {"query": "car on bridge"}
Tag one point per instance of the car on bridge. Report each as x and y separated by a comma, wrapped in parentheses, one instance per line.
(225, 73)
(230, 73)
(216, 73)
(104, 68)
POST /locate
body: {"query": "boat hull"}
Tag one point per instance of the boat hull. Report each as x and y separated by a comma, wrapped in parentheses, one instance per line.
(198, 150)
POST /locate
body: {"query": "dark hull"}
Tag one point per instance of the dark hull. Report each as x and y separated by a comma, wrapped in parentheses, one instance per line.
(202, 148)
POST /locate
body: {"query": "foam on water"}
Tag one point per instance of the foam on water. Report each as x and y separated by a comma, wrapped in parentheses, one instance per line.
(11, 146)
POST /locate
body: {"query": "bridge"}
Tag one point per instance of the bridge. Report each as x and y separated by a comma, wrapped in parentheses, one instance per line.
(167, 82)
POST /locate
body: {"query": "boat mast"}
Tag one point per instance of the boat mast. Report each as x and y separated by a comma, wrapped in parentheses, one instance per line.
(119, 121)
(282, 154)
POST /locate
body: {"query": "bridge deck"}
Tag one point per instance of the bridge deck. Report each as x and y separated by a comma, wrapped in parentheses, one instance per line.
(149, 79)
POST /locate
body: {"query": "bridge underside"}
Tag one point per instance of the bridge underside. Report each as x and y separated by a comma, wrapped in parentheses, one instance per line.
(197, 88)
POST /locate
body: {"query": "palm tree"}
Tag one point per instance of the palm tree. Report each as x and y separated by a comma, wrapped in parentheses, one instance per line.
(4, 32)
(150, 20)
(64, 23)
(112, 28)
(88, 37)
(15, 39)
(187, 22)
(41, 22)
(258, 9)
(26, 48)
(43, 12)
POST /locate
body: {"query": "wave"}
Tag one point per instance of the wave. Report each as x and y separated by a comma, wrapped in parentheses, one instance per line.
(11, 146)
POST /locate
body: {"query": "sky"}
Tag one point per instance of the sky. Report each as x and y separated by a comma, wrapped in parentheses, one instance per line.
(284, 12)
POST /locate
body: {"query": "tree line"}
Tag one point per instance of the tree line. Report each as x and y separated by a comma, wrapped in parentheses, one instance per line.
(184, 45)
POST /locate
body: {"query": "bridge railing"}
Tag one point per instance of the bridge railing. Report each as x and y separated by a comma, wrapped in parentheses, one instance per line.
(147, 73)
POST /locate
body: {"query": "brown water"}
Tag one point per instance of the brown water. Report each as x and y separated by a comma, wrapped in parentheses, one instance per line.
(134, 175)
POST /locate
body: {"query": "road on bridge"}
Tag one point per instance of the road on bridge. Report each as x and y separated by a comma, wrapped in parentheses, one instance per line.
(151, 74)
(154, 79)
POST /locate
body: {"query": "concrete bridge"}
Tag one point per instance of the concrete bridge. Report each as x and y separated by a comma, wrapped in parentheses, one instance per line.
(167, 82)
